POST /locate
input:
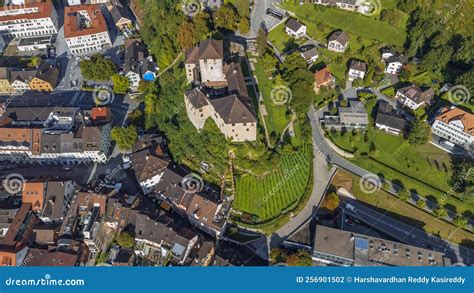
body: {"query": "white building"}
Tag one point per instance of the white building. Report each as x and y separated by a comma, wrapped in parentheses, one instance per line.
(85, 29)
(357, 70)
(338, 42)
(295, 28)
(28, 20)
(456, 126)
(413, 97)
(33, 145)
(394, 61)
(148, 169)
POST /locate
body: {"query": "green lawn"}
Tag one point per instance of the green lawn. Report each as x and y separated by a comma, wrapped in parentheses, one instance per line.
(278, 37)
(425, 169)
(402, 211)
(243, 6)
(353, 23)
(277, 119)
(277, 192)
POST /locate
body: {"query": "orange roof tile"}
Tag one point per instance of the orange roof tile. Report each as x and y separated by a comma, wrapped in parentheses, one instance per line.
(322, 76)
(44, 9)
(454, 114)
(97, 21)
(33, 192)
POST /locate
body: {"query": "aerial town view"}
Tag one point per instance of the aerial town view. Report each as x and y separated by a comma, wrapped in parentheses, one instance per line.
(262, 133)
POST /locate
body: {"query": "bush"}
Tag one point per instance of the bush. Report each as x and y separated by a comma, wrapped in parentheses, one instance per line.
(331, 201)
(124, 137)
(97, 68)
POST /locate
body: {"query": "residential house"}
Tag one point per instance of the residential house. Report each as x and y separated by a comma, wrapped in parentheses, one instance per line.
(20, 80)
(15, 245)
(120, 15)
(85, 29)
(35, 18)
(46, 78)
(58, 118)
(389, 120)
(323, 78)
(393, 60)
(5, 86)
(50, 257)
(456, 126)
(309, 54)
(352, 116)
(148, 168)
(357, 70)
(137, 65)
(121, 257)
(338, 42)
(222, 94)
(165, 238)
(295, 28)
(414, 97)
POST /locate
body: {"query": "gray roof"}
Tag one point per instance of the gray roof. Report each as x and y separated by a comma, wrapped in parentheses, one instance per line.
(211, 49)
(36, 114)
(147, 165)
(416, 94)
(235, 79)
(135, 57)
(166, 229)
(54, 208)
(386, 115)
(196, 97)
(358, 65)
(118, 12)
(397, 58)
(234, 109)
(354, 113)
(24, 75)
(308, 54)
(293, 24)
(339, 36)
(170, 185)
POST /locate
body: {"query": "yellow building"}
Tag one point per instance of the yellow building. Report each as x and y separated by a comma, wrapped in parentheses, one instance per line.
(5, 86)
(45, 79)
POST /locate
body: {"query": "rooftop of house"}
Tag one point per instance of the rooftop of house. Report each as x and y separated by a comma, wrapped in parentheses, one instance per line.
(416, 94)
(136, 57)
(322, 76)
(293, 24)
(36, 114)
(310, 53)
(118, 12)
(358, 65)
(146, 164)
(82, 20)
(339, 36)
(45, 257)
(449, 115)
(386, 115)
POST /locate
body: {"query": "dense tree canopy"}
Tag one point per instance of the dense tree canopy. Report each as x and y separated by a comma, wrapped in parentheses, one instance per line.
(419, 133)
(125, 137)
(97, 68)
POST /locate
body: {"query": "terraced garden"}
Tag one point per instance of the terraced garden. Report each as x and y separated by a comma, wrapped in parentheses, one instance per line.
(275, 193)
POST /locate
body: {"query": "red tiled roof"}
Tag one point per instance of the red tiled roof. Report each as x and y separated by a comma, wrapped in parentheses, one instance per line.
(71, 29)
(44, 10)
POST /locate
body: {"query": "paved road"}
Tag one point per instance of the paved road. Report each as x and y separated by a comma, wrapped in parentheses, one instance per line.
(408, 234)
(320, 142)
(321, 179)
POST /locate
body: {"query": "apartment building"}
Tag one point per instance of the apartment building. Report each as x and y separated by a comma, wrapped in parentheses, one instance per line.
(27, 20)
(414, 97)
(456, 126)
(33, 145)
(85, 29)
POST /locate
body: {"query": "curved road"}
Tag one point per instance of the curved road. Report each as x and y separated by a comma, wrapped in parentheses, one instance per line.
(396, 229)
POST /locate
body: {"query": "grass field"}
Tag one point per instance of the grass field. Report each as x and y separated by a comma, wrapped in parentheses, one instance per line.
(277, 119)
(402, 211)
(273, 194)
(354, 23)
(243, 6)
(424, 169)
(278, 37)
